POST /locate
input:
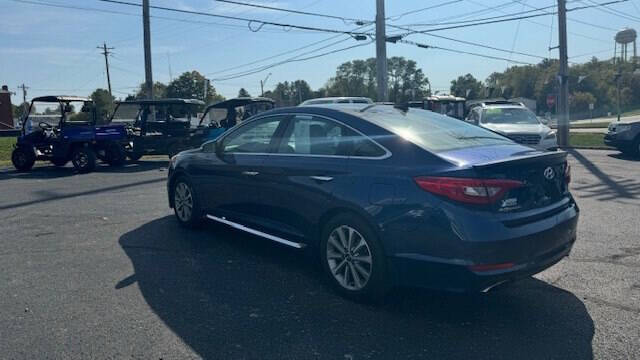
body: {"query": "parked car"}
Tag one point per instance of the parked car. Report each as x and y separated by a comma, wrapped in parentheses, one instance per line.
(515, 121)
(219, 117)
(53, 131)
(384, 196)
(158, 126)
(444, 104)
(337, 100)
(625, 136)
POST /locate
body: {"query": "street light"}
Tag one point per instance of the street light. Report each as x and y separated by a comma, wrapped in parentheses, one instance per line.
(262, 82)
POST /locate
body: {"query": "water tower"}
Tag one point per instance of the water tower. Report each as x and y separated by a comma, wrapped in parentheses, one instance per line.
(623, 38)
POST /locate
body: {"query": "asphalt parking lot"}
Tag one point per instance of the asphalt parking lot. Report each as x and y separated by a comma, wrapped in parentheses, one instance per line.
(95, 266)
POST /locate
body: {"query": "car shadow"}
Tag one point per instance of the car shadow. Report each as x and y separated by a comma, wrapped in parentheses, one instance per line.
(623, 156)
(43, 170)
(227, 294)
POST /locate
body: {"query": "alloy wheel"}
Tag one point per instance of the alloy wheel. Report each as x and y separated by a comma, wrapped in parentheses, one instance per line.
(183, 202)
(349, 258)
(81, 159)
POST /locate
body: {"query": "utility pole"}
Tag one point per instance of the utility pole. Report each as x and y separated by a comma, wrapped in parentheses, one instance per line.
(24, 99)
(262, 82)
(381, 52)
(147, 49)
(106, 52)
(563, 76)
(206, 89)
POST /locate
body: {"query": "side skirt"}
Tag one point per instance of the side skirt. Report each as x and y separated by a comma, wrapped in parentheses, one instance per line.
(256, 232)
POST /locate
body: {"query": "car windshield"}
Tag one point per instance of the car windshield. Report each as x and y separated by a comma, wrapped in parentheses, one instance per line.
(51, 112)
(126, 113)
(509, 116)
(433, 132)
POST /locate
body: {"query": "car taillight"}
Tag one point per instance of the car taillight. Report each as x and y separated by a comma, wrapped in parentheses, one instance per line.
(567, 173)
(470, 191)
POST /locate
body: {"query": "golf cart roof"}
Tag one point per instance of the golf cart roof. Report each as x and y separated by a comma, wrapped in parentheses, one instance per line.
(241, 101)
(61, 98)
(162, 101)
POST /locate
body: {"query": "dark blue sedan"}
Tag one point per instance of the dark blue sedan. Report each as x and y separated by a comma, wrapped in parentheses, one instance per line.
(384, 196)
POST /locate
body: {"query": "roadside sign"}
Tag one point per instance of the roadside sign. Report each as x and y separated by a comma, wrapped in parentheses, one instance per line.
(591, 106)
(551, 101)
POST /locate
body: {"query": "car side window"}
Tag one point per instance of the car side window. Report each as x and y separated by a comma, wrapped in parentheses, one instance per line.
(254, 137)
(310, 135)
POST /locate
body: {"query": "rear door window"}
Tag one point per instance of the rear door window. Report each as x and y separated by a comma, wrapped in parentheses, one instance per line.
(311, 135)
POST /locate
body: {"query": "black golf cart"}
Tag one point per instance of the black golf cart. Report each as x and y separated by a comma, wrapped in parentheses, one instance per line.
(54, 131)
(158, 126)
(219, 117)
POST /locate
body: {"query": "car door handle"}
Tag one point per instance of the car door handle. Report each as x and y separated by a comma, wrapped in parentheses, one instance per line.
(322, 178)
(250, 173)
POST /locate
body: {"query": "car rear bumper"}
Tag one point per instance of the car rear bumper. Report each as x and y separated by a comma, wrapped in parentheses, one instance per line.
(546, 248)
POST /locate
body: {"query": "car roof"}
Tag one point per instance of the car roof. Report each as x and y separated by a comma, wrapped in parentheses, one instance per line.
(240, 101)
(61, 98)
(162, 101)
(336, 99)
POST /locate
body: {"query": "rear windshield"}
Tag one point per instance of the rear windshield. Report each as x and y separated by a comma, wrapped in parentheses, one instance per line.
(509, 116)
(433, 132)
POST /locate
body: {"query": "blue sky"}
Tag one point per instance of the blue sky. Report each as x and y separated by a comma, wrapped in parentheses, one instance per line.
(53, 50)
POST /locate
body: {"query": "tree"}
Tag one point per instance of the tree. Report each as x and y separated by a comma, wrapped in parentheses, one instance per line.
(159, 91)
(190, 85)
(290, 93)
(358, 78)
(243, 93)
(579, 103)
(19, 110)
(104, 103)
(467, 87)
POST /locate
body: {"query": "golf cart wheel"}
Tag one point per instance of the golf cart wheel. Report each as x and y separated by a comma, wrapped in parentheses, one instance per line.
(23, 158)
(59, 162)
(115, 155)
(84, 159)
(185, 204)
(134, 156)
(353, 259)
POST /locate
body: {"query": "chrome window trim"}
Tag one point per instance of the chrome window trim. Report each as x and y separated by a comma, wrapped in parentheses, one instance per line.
(387, 153)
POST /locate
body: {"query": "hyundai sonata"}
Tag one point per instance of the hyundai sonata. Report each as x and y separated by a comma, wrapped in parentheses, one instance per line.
(384, 196)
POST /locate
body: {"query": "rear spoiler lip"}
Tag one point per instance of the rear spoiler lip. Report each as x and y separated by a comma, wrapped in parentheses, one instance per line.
(523, 158)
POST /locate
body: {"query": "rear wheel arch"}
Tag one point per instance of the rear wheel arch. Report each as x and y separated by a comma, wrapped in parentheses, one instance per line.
(343, 210)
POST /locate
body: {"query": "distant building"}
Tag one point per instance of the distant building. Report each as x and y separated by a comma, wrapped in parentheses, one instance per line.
(530, 103)
(6, 112)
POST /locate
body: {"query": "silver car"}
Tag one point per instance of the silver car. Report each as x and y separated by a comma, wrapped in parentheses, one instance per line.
(338, 100)
(515, 121)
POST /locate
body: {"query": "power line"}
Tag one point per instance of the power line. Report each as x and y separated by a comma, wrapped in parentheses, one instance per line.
(280, 54)
(260, 6)
(511, 19)
(399, 16)
(475, 44)
(574, 20)
(291, 60)
(426, 46)
(250, 22)
(614, 12)
(484, 19)
(551, 26)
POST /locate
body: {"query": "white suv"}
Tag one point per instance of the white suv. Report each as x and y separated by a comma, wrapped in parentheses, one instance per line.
(515, 121)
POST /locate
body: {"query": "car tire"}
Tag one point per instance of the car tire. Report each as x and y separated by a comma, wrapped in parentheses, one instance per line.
(134, 156)
(185, 203)
(23, 158)
(635, 147)
(173, 150)
(59, 162)
(115, 155)
(353, 259)
(83, 159)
